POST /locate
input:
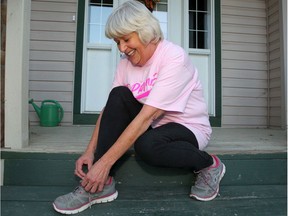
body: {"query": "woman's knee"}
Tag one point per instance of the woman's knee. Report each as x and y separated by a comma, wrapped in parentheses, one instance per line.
(119, 91)
(117, 96)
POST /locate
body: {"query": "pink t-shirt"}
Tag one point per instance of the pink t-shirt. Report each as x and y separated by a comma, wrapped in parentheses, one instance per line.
(169, 81)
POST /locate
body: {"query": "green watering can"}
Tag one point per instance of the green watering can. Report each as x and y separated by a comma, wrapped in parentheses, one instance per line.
(50, 114)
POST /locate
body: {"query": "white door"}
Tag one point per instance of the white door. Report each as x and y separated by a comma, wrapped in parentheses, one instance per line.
(99, 56)
(188, 23)
(199, 43)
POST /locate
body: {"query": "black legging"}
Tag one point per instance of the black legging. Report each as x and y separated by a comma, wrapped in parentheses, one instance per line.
(170, 145)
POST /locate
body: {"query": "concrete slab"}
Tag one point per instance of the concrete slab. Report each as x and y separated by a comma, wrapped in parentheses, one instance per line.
(73, 139)
(247, 141)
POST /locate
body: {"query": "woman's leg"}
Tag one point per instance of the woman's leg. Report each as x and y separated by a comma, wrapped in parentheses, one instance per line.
(121, 108)
(172, 145)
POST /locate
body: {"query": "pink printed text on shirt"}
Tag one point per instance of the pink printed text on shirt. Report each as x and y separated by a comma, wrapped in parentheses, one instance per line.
(142, 89)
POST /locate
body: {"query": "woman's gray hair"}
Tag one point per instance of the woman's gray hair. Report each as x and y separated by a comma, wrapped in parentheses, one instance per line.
(133, 16)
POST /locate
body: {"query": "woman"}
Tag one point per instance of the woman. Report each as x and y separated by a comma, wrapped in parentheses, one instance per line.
(156, 104)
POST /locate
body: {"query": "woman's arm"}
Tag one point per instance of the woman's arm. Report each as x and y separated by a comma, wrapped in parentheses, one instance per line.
(91, 148)
(97, 176)
(87, 157)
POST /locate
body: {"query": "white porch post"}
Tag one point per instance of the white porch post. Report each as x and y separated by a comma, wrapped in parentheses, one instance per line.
(17, 73)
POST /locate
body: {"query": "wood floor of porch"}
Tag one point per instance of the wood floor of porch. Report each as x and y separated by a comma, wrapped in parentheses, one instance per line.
(74, 139)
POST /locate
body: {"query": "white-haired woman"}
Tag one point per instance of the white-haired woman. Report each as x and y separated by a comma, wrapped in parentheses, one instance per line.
(156, 104)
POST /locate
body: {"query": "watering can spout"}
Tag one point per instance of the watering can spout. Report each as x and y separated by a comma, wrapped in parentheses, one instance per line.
(36, 108)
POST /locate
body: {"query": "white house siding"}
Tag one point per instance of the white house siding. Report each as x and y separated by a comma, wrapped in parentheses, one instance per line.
(274, 63)
(52, 54)
(244, 63)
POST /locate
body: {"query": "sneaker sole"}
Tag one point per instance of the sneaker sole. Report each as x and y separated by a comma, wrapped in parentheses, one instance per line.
(214, 195)
(106, 199)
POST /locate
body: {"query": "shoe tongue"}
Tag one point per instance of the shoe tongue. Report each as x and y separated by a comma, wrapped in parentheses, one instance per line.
(78, 189)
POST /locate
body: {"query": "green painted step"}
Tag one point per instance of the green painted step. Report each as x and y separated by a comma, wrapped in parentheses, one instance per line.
(253, 185)
(153, 200)
(40, 169)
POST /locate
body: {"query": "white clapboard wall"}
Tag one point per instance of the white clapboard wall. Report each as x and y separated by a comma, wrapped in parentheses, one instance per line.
(244, 63)
(52, 54)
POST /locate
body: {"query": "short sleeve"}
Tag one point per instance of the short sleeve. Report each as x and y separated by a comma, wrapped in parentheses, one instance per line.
(119, 76)
(174, 85)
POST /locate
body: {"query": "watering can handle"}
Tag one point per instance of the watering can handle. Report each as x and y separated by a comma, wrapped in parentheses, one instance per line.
(58, 105)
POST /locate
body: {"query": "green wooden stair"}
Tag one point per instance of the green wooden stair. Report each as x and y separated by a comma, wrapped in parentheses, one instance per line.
(254, 184)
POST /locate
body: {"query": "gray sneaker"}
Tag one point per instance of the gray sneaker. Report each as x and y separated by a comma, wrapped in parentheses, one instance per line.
(206, 187)
(79, 199)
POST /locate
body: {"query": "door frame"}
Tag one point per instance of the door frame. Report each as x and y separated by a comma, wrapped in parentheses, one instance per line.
(90, 119)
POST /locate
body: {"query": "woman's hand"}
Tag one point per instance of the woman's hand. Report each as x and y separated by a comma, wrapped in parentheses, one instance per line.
(86, 159)
(96, 178)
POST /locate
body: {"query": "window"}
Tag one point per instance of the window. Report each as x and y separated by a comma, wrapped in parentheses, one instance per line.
(99, 11)
(198, 24)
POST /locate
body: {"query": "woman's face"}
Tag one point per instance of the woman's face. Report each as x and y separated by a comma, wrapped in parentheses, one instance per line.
(136, 52)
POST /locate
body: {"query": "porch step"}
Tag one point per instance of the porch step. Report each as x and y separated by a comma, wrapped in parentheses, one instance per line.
(253, 185)
(41, 169)
(152, 201)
